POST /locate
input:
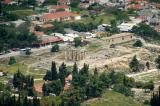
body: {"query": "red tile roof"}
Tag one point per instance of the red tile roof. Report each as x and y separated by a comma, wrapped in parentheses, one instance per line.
(38, 33)
(57, 15)
(7, 1)
(59, 7)
(135, 6)
(51, 40)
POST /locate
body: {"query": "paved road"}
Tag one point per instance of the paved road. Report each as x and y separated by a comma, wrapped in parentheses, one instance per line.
(34, 50)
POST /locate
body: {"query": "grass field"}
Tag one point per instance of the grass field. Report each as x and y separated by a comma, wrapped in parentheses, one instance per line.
(111, 98)
(23, 13)
(94, 46)
(11, 69)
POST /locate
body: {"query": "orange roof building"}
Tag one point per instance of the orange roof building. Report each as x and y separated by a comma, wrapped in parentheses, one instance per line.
(59, 16)
(135, 6)
(7, 1)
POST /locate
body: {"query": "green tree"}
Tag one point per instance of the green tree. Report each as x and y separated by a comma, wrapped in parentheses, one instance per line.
(157, 61)
(75, 75)
(77, 42)
(84, 75)
(146, 31)
(75, 69)
(31, 2)
(75, 3)
(148, 65)
(55, 48)
(62, 73)
(95, 72)
(54, 71)
(113, 29)
(155, 99)
(123, 89)
(148, 85)
(93, 89)
(105, 80)
(138, 43)
(18, 79)
(134, 64)
(12, 60)
(44, 89)
(48, 76)
(129, 82)
(36, 101)
(54, 87)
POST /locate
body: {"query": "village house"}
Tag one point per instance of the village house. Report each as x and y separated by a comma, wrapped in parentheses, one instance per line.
(126, 27)
(119, 38)
(7, 1)
(56, 8)
(44, 39)
(59, 16)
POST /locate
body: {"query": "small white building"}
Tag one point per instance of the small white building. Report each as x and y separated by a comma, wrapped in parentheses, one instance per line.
(23, 51)
(102, 27)
(72, 35)
(126, 27)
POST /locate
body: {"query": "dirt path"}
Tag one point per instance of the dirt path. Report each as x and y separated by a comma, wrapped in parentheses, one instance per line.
(141, 73)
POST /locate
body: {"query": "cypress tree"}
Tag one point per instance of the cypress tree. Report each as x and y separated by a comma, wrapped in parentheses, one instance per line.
(44, 89)
(36, 102)
(54, 71)
(134, 64)
(62, 73)
(75, 69)
(75, 75)
(95, 71)
(48, 76)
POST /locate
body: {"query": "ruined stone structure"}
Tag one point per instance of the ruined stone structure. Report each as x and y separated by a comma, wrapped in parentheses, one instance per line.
(73, 54)
(119, 38)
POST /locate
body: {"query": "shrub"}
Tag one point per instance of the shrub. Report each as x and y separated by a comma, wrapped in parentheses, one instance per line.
(55, 48)
(12, 60)
(138, 43)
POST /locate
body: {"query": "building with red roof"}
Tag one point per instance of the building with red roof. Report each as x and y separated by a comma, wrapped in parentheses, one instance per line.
(7, 1)
(50, 40)
(59, 16)
(135, 6)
